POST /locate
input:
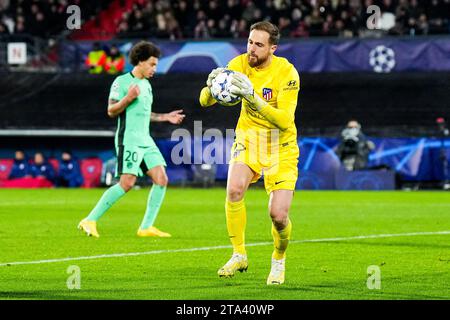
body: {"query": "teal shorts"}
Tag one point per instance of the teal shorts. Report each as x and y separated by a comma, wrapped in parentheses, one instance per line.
(137, 160)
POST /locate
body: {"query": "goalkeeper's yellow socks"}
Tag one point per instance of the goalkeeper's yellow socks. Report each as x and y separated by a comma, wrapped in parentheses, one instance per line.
(109, 197)
(236, 221)
(281, 240)
(155, 199)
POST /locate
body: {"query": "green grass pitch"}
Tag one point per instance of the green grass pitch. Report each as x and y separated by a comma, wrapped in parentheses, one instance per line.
(38, 225)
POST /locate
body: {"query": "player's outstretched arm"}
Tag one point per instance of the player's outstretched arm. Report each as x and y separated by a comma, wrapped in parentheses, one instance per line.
(116, 107)
(206, 99)
(174, 117)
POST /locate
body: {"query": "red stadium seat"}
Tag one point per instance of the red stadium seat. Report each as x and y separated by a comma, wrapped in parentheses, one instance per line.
(91, 170)
(55, 164)
(5, 168)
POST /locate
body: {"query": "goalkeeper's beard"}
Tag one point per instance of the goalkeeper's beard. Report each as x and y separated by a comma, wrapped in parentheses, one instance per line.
(256, 61)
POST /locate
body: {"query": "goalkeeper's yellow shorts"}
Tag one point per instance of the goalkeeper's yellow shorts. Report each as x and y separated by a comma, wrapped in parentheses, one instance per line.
(277, 164)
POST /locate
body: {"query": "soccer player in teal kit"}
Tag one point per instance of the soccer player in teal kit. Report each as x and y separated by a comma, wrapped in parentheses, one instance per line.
(130, 100)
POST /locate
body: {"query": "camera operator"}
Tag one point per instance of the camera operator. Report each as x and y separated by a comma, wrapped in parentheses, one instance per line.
(354, 148)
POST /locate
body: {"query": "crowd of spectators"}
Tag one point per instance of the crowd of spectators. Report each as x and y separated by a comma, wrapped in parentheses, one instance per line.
(295, 18)
(204, 19)
(42, 18)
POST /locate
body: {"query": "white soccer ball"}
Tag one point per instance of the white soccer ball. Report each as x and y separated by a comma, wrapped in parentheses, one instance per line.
(220, 88)
(382, 59)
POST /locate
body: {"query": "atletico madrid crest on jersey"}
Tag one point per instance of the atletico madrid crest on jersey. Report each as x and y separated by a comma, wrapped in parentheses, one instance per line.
(267, 93)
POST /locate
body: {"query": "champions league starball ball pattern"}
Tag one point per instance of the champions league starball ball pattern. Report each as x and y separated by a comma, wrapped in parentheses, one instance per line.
(220, 88)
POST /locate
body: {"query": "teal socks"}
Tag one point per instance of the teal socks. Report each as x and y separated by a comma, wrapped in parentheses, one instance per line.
(110, 197)
(155, 199)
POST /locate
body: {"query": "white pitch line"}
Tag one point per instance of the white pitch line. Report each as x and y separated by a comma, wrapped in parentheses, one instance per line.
(130, 254)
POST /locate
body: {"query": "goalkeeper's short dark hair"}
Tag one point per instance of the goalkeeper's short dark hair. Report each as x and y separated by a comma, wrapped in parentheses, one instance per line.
(271, 29)
(142, 51)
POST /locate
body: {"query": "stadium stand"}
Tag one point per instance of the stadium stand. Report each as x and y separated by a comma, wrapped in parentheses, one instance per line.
(55, 164)
(179, 19)
(46, 18)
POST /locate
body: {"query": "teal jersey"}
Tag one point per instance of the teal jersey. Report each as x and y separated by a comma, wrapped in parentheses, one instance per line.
(133, 126)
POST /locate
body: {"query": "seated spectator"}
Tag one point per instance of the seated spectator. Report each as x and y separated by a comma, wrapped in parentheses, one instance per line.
(69, 171)
(96, 58)
(41, 168)
(21, 167)
(115, 61)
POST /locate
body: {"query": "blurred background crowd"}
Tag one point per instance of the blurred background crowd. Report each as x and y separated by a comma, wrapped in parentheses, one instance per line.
(200, 19)
(42, 18)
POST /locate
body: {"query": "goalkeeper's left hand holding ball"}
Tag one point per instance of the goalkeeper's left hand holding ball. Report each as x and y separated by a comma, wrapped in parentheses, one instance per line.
(212, 75)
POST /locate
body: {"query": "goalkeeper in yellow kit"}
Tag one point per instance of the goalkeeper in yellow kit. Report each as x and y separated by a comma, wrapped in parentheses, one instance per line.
(265, 144)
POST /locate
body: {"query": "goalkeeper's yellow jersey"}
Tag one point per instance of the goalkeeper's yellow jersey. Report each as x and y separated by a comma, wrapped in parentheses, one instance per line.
(278, 84)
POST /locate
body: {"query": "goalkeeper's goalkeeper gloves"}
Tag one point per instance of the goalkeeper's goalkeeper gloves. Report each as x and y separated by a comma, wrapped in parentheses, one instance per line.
(206, 99)
(242, 86)
(212, 75)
